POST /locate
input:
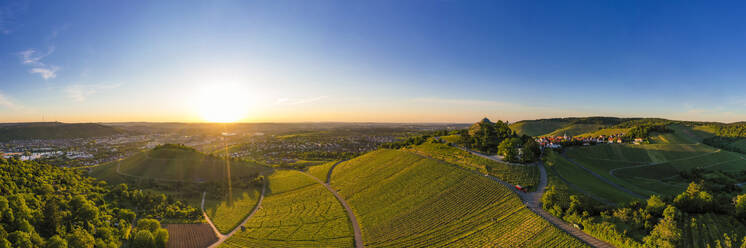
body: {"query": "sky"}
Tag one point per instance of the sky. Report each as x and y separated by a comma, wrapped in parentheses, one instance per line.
(370, 61)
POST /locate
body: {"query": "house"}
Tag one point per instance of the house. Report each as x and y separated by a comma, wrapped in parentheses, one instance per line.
(638, 141)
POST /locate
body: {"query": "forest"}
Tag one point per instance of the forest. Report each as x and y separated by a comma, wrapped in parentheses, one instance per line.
(47, 206)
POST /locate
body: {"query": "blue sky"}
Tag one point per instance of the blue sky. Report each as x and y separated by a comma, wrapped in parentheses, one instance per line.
(386, 61)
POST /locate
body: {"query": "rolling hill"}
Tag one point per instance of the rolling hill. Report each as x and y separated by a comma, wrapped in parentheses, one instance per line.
(175, 163)
(54, 130)
(403, 199)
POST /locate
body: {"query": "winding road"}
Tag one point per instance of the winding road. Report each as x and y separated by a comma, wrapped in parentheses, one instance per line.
(533, 202)
(357, 232)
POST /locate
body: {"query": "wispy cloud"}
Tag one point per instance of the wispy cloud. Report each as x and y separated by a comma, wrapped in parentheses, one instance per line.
(296, 101)
(6, 103)
(45, 72)
(34, 58)
(81, 92)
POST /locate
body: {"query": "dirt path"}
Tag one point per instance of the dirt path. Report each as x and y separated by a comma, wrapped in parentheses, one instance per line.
(221, 237)
(357, 232)
(605, 180)
(329, 174)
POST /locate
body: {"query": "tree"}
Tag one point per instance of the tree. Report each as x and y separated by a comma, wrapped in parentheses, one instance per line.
(655, 205)
(740, 205)
(148, 224)
(56, 242)
(666, 233)
(143, 239)
(694, 199)
(531, 150)
(20, 239)
(508, 148)
(80, 238)
(52, 218)
(161, 238)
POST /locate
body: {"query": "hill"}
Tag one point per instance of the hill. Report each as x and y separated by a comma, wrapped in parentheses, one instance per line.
(403, 199)
(571, 125)
(54, 130)
(176, 163)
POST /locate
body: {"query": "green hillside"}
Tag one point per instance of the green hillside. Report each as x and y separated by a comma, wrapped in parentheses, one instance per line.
(402, 199)
(526, 176)
(298, 212)
(54, 130)
(572, 126)
(174, 163)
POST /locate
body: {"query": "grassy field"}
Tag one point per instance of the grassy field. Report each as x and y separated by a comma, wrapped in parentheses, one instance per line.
(526, 176)
(584, 180)
(226, 214)
(299, 212)
(406, 200)
(321, 171)
(174, 164)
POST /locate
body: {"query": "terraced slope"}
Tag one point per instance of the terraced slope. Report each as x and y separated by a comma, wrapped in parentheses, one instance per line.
(297, 212)
(402, 199)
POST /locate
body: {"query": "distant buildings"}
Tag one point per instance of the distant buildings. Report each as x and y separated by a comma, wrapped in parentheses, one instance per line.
(556, 142)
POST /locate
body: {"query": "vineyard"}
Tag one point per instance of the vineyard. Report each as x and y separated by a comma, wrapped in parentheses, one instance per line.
(526, 176)
(709, 230)
(227, 213)
(299, 212)
(406, 200)
(190, 235)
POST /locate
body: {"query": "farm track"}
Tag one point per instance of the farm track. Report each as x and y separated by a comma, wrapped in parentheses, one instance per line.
(605, 180)
(533, 202)
(223, 237)
(357, 232)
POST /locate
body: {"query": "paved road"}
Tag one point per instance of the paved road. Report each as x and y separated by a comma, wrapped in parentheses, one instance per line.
(329, 174)
(605, 180)
(533, 202)
(357, 233)
(222, 238)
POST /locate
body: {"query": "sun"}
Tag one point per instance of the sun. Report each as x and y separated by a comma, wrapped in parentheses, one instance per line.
(222, 103)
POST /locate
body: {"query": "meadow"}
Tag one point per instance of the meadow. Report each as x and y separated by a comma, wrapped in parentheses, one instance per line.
(297, 212)
(403, 199)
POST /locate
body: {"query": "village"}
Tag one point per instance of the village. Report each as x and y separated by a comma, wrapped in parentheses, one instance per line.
(557, 142)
